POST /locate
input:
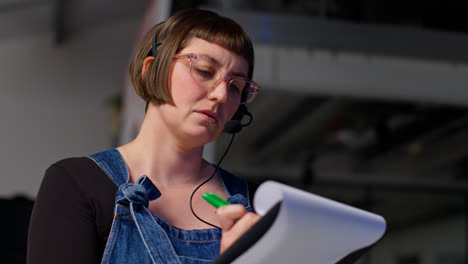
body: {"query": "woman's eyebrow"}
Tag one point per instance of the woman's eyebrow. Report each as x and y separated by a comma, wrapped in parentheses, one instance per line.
(239, 74)
(215, 61)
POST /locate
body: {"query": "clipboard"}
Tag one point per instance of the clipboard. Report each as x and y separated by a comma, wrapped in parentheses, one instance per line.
(301, 227)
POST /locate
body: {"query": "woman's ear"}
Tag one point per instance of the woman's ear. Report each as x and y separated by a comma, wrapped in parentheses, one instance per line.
(146, 64)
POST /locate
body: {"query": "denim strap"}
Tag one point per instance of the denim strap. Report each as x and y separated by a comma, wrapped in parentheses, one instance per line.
(113, 164)
(137, 197)
(235, 186)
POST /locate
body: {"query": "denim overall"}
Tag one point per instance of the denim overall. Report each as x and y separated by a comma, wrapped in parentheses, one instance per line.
(138, 236)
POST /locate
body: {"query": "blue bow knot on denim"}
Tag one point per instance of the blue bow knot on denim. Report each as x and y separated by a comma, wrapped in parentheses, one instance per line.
(139, 193)
(135, 194)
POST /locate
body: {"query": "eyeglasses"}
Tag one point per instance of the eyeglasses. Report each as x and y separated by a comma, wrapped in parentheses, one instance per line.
(208, 75)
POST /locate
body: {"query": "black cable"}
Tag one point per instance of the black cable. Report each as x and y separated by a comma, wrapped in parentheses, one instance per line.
(212, 175)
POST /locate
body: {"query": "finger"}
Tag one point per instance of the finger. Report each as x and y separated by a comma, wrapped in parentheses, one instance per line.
(228, 215)
(237, 230)
(245, 223)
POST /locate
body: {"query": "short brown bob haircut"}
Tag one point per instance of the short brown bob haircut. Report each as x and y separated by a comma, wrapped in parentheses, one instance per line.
(175, 33)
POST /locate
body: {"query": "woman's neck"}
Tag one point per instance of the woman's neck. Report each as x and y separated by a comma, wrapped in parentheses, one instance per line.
(159, 156)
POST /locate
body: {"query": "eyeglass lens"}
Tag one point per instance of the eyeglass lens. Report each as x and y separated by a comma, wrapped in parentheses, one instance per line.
(208, 75)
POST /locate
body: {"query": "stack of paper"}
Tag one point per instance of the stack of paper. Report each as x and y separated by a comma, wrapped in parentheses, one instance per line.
(308, 228)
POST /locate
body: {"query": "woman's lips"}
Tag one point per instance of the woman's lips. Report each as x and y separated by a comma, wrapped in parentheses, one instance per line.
(209, 115)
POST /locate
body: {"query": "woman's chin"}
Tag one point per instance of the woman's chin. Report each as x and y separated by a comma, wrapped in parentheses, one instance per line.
(204, 134)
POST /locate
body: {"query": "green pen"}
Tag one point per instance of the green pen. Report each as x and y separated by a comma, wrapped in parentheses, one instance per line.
(214, 200)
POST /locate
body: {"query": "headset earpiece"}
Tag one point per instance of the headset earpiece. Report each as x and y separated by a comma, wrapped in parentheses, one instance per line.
(155, 43)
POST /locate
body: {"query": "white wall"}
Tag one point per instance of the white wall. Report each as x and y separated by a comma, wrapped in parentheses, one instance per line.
(53, 99)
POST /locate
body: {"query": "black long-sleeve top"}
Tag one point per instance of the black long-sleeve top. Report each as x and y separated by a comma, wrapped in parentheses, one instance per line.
(72, 215)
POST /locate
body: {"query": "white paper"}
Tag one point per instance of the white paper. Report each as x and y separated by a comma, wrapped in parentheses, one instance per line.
(309, 228)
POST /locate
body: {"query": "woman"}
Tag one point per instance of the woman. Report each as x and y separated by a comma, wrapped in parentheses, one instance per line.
(141, 202)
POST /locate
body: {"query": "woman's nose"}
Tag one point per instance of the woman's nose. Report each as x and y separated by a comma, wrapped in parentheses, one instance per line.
(219, 92)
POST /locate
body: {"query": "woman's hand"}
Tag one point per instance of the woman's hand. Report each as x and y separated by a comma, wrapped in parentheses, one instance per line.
(234, 220)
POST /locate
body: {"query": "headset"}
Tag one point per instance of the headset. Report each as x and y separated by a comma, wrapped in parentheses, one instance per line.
(232, 127)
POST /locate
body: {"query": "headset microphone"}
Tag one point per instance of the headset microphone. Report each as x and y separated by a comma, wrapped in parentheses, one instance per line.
(232, 126)
(235, 125)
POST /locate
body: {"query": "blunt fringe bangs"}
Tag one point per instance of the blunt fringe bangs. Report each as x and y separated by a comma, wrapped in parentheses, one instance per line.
(175, 34)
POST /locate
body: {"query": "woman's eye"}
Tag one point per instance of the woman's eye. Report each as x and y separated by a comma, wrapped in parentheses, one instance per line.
(204, 72)
(234, 88)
